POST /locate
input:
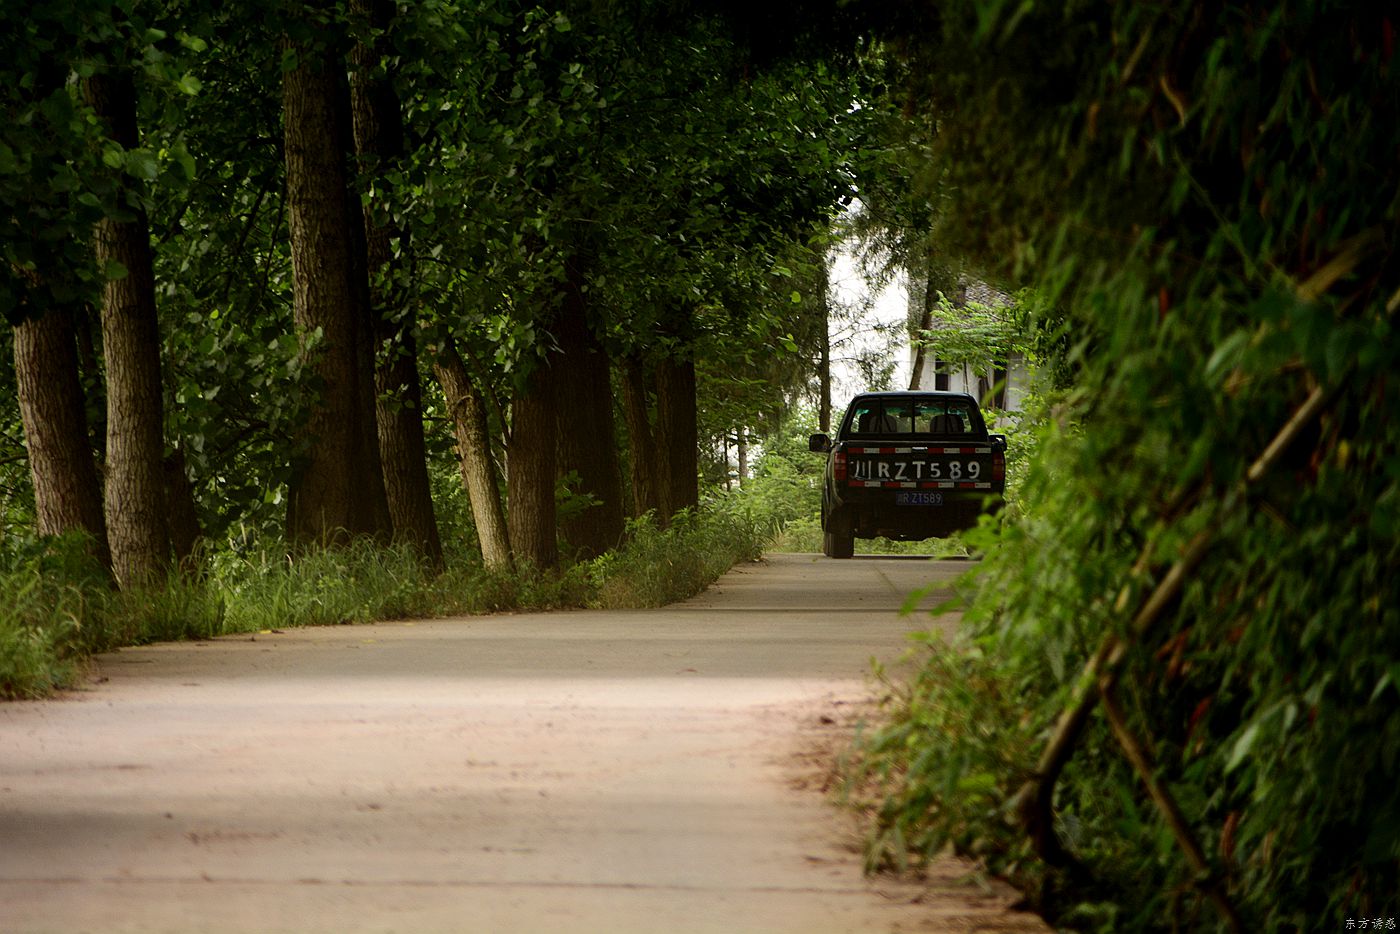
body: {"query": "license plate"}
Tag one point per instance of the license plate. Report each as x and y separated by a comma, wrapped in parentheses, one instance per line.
(917, 498)
(956, 469)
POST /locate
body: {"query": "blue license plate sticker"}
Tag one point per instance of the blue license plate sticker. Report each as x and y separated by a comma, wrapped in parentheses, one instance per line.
(917, 498)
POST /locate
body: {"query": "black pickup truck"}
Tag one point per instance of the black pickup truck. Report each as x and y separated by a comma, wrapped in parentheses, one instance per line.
(908, 466)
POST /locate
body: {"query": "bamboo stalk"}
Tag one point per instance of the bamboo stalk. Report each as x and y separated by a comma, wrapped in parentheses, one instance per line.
(1141, 761)
(1033, 802)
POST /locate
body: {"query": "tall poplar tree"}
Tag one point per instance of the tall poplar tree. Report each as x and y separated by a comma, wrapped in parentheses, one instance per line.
(337, 490)
(46, 267)
(134, 499)
(479, 475)
(530, 470)
(587, 437)
(67, 493)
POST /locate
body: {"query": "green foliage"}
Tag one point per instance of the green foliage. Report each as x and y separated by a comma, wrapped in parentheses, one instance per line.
(648, 150)
(761, 353)
(659, 566)
(47, 158)
(978, 336)
(1211, 197)
(787, 477)
(935, 775)
(184, 607)
(46, 591)
(356, 584)
(651, 155)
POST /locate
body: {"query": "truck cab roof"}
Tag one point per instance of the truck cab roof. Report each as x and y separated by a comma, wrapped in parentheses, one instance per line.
(913, 415)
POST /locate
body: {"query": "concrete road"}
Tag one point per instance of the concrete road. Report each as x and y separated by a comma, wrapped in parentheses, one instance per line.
(585, 771)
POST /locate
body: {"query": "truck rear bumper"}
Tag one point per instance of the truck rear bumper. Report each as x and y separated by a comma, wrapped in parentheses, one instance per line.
(871, 513)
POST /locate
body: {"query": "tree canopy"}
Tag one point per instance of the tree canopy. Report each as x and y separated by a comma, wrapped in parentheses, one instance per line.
(565, 183)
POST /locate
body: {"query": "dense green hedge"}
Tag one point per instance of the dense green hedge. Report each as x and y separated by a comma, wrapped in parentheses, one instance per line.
(1209, 193)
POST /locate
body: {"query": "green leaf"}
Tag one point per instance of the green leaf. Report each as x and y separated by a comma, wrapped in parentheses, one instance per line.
(142, 164)
(977, 782)
(113, 271)
(1242, 746)
(1390, 679)
(64, 178)
(1226, 356)
(1342, 345)
(186, 161)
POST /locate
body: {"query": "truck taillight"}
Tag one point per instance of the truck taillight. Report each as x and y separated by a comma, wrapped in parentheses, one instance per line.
(838, 464)
(998, 467)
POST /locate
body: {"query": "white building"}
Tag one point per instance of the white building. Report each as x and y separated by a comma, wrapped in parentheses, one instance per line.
(1010, 385)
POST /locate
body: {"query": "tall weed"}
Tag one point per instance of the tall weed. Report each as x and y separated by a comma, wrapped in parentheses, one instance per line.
(275, 589)
(48, 592)
(658, 565)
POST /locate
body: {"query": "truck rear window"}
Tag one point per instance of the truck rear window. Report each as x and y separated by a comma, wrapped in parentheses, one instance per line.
(934, 417)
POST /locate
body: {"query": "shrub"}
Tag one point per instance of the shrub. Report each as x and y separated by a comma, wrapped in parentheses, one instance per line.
(657, 565)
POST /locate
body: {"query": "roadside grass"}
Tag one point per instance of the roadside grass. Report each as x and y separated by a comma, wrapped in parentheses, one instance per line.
(658, 566)
(48, 591)
(57, 606)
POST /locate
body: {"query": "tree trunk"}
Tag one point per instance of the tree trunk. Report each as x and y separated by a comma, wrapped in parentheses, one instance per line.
(677, 432)
(403, 449)
(185, 532)
(137, 531)
(724, 453)
(337, 491)
(824, 355)
(87, 324)
(479, 477)
(916, 374)
(586, 433)
(378, 126)
(644, 463)
(824, 380)
(531, 471)
(67, 495)
(743, 454)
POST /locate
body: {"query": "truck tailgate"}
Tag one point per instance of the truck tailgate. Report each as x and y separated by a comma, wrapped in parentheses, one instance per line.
(927, 467)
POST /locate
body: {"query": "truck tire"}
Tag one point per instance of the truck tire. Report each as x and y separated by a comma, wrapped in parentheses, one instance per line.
(836, 545)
